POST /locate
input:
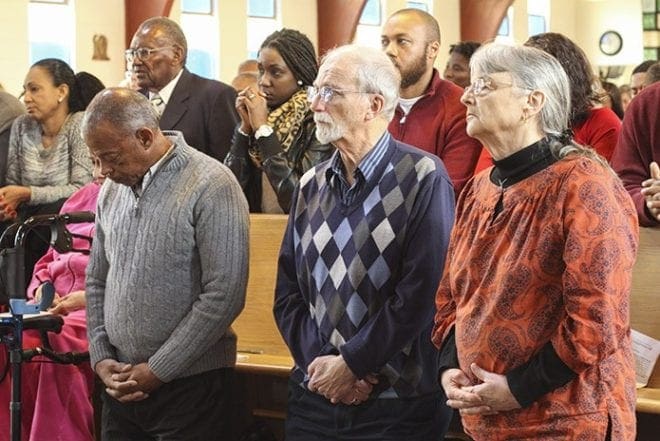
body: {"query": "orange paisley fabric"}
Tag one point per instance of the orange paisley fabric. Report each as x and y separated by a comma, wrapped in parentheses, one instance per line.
(555, 265)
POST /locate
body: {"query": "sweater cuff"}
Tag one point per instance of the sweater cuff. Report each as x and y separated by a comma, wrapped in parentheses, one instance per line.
(448, 358)
(356, 365)
(542, 374)
(98, 352)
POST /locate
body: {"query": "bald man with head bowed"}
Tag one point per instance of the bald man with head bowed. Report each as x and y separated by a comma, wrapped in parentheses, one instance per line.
(166, 277)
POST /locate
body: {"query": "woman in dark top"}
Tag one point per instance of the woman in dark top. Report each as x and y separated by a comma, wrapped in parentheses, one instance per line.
(275, 143)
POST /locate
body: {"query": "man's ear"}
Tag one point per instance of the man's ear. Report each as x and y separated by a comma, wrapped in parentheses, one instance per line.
(178, 54)
(376, 104)
(145, 136)
(432, 50)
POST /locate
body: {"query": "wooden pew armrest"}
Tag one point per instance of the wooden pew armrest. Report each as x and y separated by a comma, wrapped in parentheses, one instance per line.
(648, 400)
(264, 364)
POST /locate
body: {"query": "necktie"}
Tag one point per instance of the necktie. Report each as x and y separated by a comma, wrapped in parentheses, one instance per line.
(158, 103)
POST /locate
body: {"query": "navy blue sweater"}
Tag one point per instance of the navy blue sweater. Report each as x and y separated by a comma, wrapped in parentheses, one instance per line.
(360, 279)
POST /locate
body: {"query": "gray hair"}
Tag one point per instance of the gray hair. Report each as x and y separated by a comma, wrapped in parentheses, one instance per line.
(373, 71)
(125, 109)
(172, 31)
(534, 69)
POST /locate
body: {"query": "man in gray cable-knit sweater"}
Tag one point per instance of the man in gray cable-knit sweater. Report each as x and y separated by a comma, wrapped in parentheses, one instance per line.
(166, 279)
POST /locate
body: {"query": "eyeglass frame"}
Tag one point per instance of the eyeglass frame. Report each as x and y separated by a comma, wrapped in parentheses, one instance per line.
(132, 54)
(326, 93)
(478, 86)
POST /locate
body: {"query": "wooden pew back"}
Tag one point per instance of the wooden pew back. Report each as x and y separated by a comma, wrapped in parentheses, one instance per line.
(645, 293)
(255, 326)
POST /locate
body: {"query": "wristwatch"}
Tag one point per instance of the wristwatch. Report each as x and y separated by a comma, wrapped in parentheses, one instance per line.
(263, 130)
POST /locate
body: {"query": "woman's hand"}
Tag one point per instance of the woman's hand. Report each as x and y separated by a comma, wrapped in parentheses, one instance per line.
(457, 387)
(67, 304)
(494, 391)
(11, 197)
(242, 110)
(256, 106)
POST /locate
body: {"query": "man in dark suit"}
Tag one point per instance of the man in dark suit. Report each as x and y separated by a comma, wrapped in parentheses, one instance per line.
(201, 108)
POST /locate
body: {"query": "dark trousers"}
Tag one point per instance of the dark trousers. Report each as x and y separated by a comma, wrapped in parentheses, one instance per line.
(195, 408)
(310, 417)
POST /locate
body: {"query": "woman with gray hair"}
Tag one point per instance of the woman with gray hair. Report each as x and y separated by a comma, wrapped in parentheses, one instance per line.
(532, 311)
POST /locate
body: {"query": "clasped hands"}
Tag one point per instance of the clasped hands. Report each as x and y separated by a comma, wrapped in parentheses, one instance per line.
(126, 382)
(651, 191)
(330, 376)
(487, 397)
(252, 108)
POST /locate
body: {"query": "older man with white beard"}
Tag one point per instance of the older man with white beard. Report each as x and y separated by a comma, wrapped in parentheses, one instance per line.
(359, 267)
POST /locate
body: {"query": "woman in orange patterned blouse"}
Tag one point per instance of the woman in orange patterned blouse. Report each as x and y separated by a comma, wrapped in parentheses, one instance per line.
(532, 311)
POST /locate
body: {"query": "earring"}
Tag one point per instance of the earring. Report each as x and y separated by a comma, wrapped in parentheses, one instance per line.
(299, 82)
(59, 100)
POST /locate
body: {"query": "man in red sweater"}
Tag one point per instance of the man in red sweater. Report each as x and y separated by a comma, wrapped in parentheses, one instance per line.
(637, 154)
(430, 115)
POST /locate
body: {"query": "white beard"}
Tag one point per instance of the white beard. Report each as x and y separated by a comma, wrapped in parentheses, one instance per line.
(327, 130)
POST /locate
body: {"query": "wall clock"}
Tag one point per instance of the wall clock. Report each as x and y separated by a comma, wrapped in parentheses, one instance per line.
(610, 43)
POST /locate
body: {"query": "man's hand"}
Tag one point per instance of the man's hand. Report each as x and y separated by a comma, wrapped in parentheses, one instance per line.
(115, 377)
(331, 377)
(651, 191)
(361, 391)
(146, 380)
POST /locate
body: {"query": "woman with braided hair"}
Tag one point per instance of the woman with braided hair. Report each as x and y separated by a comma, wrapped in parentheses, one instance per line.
(275, 142)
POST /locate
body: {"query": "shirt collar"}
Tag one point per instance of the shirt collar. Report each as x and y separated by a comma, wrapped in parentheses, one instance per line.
(166, 92)
(153, 169)
(367, 165)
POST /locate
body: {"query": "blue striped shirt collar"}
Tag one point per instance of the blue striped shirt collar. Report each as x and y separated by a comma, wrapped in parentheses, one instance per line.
(367, 166)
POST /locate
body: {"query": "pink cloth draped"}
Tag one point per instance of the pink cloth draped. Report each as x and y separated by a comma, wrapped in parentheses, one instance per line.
(56, 398)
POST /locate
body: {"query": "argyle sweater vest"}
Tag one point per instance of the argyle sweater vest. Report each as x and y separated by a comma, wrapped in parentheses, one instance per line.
(363, 276)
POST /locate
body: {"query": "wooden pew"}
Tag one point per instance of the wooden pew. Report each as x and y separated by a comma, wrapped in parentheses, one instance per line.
(260, 345)
(263, 361)
(645, 309)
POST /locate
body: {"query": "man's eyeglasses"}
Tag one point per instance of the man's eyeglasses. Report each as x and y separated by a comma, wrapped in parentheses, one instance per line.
(482, 85)
(326, 93)
(142, 53)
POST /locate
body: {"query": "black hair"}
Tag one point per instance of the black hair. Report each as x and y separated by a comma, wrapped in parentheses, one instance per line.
(465, 48)
(643, 67)
(297, 51)
(615, 97)
(653, 74)
(88, 86)
(61, 73)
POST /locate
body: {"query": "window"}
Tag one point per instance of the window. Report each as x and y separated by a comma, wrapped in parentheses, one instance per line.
(538, 16)
(200, 25)
(261, 8)
(505, 32)
(262, 21)
(196, 7)
(46, 40)
(423, 5)
(369, 26)
(535, 24)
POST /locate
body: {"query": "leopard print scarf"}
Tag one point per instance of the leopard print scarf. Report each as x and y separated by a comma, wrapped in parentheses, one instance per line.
(287, 118)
